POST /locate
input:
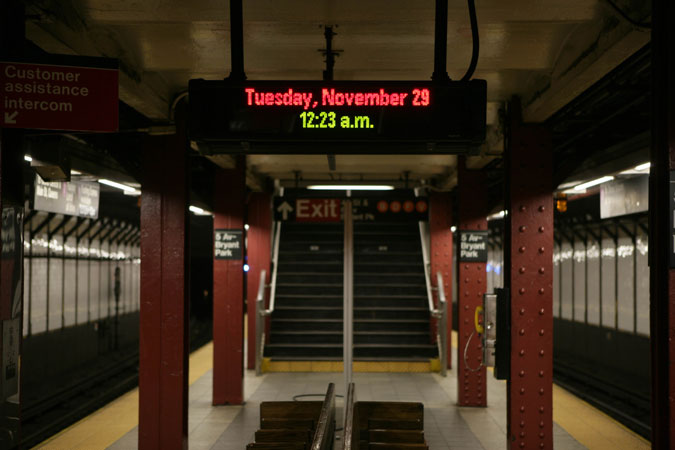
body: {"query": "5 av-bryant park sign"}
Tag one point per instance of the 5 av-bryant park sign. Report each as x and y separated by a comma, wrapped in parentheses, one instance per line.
(345, 117)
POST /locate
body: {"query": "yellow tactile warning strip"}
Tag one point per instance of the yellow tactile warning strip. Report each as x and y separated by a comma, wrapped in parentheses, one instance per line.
(432, 365)
(591, 427)
(104, 427)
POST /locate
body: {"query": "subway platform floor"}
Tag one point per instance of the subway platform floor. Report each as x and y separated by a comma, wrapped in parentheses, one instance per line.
(447, 426)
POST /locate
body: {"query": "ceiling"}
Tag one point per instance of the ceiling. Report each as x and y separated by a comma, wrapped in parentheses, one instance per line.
(546, 52)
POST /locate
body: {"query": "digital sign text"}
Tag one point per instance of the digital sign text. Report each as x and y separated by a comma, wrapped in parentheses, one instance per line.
(418, 97)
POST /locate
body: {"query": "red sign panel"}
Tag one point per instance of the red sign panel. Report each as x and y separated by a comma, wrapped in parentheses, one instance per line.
(55, 97)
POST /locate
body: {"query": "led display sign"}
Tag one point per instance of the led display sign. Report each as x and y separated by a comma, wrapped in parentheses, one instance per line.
(357, 117)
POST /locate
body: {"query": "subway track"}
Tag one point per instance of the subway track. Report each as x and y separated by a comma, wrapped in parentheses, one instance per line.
(629, 408)
(103, 380)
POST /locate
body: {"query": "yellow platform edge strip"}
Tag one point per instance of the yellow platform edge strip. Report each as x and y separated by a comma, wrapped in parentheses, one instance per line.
(433, 365)
(107, 425)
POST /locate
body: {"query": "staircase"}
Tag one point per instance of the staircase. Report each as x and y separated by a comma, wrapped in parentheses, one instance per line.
(391, 319)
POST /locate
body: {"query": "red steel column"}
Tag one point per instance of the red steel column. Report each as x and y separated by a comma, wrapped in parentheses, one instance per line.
(440, 221)
(471, 285)
(228, 290)
(259, 258)
(163, 371)
(529, 269)
(662, 227)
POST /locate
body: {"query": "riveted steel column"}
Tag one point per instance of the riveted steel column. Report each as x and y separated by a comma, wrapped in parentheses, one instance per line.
(471, 285)
(12, 43)
(228, 290)
(259, 258)
(164, 329)
(440, 221)
(529, 275)
(662, 226)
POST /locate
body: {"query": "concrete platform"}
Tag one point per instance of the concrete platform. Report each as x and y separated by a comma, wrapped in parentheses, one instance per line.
(446, 425)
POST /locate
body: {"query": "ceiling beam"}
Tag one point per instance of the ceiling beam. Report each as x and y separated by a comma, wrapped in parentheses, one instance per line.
(609, 49)
(145, 92)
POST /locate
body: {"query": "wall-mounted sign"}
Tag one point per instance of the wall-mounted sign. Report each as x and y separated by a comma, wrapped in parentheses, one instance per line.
(262, 116)
(672, 219)
(622, 197)
(364, 209)
(74, 198)
(65, 94)
(228, 244)
(473, 246)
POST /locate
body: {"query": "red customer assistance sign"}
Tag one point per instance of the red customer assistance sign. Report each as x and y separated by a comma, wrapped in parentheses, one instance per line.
(56, 97)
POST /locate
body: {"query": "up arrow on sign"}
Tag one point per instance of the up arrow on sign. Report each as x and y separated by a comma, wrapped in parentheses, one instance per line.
(284, 209)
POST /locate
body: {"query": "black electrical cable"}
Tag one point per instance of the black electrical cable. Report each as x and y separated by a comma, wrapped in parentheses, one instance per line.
(476, 41)
(628, 19)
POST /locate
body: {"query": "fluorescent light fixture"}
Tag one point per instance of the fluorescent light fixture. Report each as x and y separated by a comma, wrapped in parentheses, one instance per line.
(453, 228)
(499, 215)
(117, 185)
(644, 166)
(584, 186)
(75, 172)
(27, 158)
(345, 187)
(199, 211)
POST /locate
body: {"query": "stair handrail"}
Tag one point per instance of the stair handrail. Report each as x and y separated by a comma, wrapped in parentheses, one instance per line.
(260, 322)
(440, 313)
(261, 311)
(442, 328)
(427, 268)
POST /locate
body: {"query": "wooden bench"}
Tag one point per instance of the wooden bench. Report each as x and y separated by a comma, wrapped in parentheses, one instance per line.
(382, 425)
(297, 425)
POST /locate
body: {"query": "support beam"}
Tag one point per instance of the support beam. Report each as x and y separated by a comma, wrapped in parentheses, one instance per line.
(471, 285)
(164, 326)
(528, 265)
(228, 289)
(259, 258)
(12, 38)
(440, 221)
(662, 227)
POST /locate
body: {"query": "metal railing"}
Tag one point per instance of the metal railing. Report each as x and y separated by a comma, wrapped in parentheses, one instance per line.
(261, 311)
(440, 313)
(442, 328)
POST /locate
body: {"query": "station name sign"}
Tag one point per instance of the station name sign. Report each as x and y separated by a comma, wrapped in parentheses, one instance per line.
(473, 246)
(73, 198)
(375, 117)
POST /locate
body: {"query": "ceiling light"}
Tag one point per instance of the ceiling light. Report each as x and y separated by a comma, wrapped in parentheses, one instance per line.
(345, 187)
(246, 227)
(595, 182)
(121, 186)
(75, 172)
(27, 158)
(453, 228)
(199, 211)
(644, 166)
(499, 215)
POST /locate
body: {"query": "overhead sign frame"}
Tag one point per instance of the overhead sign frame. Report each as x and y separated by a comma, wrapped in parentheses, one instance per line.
(358, 117)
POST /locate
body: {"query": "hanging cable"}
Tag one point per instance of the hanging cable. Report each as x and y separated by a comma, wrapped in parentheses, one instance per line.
(466, 362)
(476, 41)
(628, 19)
